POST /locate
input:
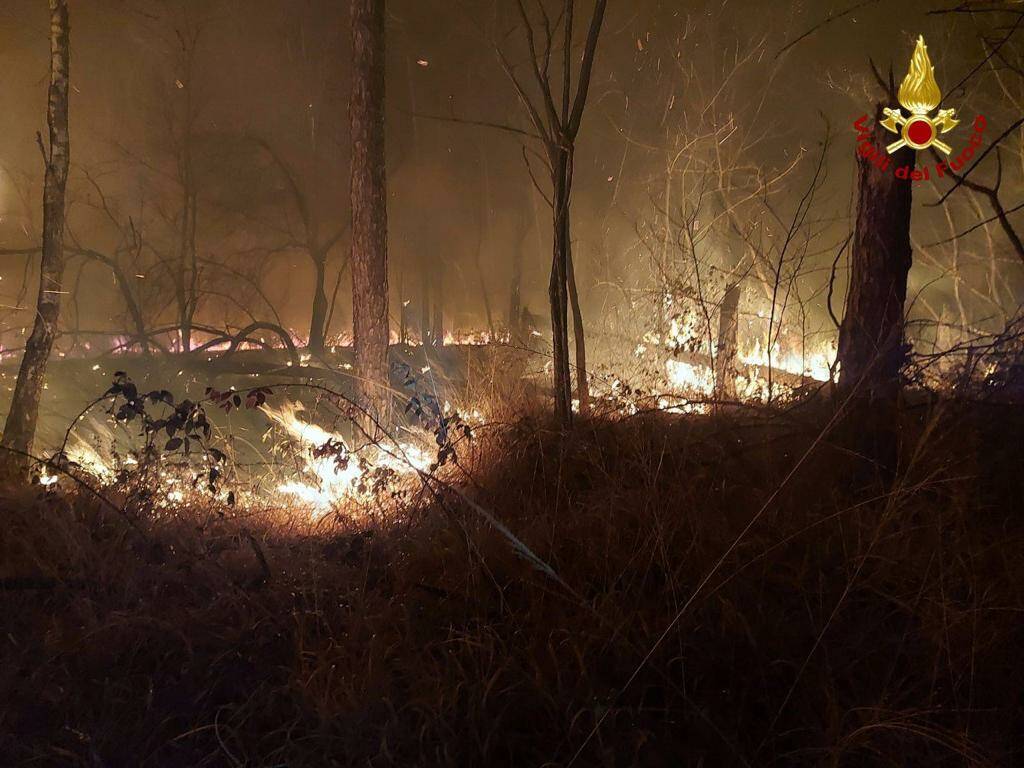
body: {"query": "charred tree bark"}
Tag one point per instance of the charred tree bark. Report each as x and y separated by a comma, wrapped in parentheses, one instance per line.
(20, 428)
(871, 349)
(726, 347)
(369, 203)
(318, 317)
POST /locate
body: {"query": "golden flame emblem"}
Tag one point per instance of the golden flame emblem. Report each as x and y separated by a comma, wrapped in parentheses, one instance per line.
(919, 94)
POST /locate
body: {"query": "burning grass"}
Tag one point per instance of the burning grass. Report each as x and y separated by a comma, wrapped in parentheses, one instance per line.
(860, 619)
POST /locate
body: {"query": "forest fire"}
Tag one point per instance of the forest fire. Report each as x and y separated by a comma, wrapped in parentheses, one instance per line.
(524, 383)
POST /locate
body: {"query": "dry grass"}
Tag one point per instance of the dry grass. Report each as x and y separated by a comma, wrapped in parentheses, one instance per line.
(858, 622)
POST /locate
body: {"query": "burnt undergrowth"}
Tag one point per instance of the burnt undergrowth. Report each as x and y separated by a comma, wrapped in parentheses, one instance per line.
(740, 589)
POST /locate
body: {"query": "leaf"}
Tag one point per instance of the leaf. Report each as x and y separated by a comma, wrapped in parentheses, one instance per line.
(173, 444)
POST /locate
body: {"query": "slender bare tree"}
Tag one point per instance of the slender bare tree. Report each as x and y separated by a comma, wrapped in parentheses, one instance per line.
(20, 428)
(369, 202)
(184, 113)
(317, 246)
(557, 126)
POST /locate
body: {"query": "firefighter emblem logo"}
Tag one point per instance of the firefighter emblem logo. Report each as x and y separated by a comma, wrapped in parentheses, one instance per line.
(919, 95)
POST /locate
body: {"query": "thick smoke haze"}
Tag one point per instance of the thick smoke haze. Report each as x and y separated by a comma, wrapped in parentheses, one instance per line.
(262, 89)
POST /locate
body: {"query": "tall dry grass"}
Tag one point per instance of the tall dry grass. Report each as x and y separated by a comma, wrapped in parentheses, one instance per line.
(865, 618)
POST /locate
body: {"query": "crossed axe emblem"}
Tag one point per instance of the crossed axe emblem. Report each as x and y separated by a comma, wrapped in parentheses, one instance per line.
(919, 131)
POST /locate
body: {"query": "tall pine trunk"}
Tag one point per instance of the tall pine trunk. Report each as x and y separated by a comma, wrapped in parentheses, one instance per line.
(369, 203)
(871, 335)
(20, 428)
(557, 294)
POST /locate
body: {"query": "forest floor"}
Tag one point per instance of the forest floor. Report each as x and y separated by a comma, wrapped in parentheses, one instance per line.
(740, 589)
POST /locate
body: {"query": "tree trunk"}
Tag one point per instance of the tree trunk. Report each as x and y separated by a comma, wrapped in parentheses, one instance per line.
(318, 318)
(130, 302)
(369, 203)
(437, 324)
(579, 337)
(726, 347)
(425, 277)
(557, 296)
(488, 314)
(559, 133)
(515, 297)
(483, 227)
(134, 310)
(181, 278)
(20, 428)
(871, 336)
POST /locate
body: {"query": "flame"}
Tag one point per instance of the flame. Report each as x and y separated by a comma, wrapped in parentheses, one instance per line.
(474, 338)
(89, 459)
(173, 485)
(694, 377)
(324, 483)
(919, 93)
(815, 364)
(690, 378)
